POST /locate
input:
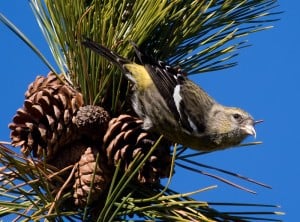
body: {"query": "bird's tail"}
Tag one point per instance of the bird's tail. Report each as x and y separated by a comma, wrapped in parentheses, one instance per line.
(105, 52)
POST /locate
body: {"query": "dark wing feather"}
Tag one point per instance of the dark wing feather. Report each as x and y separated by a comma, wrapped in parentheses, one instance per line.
(165, 78)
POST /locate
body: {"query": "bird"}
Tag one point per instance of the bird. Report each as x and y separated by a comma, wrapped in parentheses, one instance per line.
(174, 106)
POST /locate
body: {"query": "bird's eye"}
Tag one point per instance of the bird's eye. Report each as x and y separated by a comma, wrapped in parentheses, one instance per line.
(237, 117)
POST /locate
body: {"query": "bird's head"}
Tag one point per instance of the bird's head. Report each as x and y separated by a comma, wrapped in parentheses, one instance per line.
(231, 125)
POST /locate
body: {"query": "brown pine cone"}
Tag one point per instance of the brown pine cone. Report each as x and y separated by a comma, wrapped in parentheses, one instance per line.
(44, 123)
(92, 122)
(125, 138)
(91, 178)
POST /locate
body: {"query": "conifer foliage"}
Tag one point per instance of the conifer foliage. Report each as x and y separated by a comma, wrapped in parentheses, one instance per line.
(83, 152)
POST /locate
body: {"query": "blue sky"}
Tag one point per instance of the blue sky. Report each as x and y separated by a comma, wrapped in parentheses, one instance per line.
(266, 83)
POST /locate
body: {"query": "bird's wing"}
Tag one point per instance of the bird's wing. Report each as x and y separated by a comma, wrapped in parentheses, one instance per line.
(166, 78)
(164, 82)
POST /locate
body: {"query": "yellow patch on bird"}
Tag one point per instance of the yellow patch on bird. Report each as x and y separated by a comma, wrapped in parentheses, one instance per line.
(140, 75)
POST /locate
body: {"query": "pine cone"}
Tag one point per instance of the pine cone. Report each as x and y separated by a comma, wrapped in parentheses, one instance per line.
(45, 121)
(92, 122)
(125, 138)
(91, 178)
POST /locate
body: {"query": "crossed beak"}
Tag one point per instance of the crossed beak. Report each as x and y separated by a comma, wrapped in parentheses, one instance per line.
(249, 129)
